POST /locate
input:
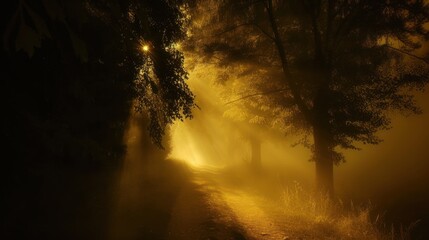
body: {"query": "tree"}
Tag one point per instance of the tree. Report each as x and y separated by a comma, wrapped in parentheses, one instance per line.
(259, 114)
(238, 73)
(160, 87)
(68, 87)
(345, 65)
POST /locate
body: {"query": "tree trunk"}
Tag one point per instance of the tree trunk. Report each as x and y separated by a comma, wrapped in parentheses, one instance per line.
(324, 163)
(255, 146)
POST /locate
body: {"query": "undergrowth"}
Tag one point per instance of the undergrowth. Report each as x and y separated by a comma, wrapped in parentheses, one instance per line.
(334, 219)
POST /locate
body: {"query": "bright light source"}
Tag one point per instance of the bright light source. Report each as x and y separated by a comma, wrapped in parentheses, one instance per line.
(145, 48)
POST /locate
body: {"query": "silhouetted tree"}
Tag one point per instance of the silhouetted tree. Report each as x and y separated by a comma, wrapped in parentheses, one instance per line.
(72, 72)
(160, 88)
(344, 65)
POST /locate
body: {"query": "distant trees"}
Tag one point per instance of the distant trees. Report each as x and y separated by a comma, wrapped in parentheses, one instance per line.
(340, 66)
(248, 101)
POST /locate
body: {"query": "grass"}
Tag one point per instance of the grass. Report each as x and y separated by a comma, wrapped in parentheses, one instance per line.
(302, 214)
(332, 219)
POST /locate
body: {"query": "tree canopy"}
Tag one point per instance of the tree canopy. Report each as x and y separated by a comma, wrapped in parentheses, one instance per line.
(111, 34)
(342, 66)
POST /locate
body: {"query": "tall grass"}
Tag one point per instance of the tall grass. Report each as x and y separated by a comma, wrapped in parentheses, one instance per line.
(332, 219)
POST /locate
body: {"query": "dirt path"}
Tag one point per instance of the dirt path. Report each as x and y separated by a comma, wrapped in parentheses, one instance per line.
(201, 213)
(256, 222)
(207, 209)
(157, 199)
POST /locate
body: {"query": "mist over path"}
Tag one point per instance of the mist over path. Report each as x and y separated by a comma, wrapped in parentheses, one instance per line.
(160, 198)
(157, 198)
(241, 203)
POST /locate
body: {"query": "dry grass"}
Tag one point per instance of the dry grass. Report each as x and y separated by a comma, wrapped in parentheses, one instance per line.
(302, 214)
(332, 219)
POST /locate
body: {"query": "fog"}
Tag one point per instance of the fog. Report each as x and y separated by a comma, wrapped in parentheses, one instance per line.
(394, 174)
(392, 178)
(206, 184)
(208, 119)
(400, 162)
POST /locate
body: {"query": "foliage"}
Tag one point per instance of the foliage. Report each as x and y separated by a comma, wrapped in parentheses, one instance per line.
(340, 67)
(122, 27)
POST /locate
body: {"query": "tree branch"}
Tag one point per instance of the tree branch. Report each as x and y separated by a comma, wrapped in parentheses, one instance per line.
(294, 87)
(264, 32)
(232, 28)
(408, 53)
(257, 94)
